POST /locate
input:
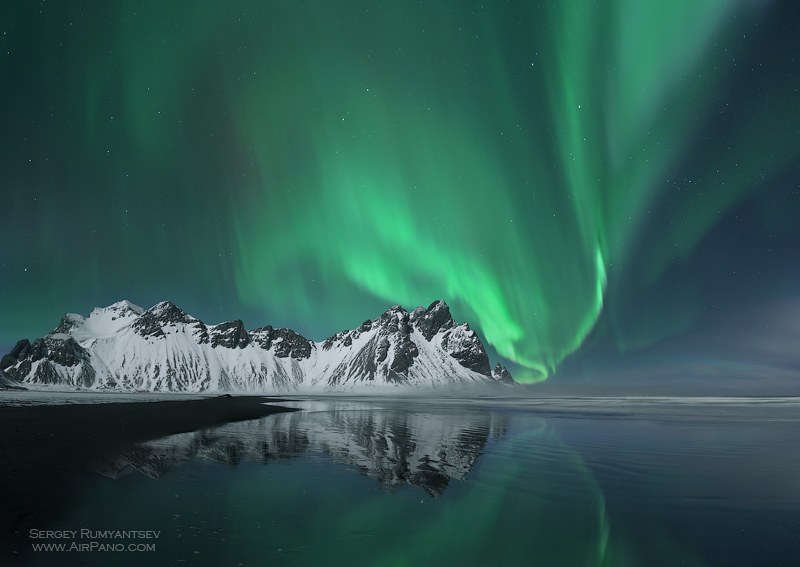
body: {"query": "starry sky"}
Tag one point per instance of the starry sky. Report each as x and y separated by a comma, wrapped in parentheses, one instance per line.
(600, 187)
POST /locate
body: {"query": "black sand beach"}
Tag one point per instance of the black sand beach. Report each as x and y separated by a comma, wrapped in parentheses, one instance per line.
(44, 448)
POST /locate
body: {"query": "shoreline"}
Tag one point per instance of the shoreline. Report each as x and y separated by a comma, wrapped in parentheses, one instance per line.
(46, 448)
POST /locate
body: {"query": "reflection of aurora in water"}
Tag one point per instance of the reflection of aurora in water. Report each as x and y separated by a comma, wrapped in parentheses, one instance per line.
(594, 483)
(637, 485)
(500, 491)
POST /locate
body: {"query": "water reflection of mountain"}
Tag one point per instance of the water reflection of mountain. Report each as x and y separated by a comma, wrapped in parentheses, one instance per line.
(394, 446)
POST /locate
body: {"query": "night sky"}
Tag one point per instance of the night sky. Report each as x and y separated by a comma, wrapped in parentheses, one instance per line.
(601, 188)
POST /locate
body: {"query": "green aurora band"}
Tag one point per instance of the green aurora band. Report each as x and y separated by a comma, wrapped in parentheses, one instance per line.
(512, 214)
(505, 157)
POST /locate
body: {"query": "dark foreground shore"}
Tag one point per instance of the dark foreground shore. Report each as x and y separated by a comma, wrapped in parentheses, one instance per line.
(45, 449)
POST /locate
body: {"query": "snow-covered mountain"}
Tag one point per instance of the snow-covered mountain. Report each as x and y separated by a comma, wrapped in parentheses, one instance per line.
(163, 348)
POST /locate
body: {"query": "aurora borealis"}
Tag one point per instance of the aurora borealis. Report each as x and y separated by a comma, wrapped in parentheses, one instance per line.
(572, 177)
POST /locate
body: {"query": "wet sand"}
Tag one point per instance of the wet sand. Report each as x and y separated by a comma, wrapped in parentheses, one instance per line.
(45, 448)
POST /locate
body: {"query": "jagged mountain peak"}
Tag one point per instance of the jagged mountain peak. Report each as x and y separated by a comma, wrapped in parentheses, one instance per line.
(124, 306)
(394, 319)
(230, 334)
(164, 314)
(501, 374)
(68, 322)
(434, 319)
(395, 309)
(20, 350)
(169, 312)
(438, 304)
(394, 312)
(283, 342)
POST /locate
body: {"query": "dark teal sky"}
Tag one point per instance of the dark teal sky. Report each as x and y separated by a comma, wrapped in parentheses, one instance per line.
(600, 178)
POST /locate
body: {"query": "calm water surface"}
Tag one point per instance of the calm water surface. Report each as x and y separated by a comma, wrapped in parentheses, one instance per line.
(541, 482)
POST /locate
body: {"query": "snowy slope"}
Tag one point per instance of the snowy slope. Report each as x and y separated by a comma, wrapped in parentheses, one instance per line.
(123, 346)
(8, 383)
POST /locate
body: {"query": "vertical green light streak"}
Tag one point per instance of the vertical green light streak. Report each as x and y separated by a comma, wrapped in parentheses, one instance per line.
(410, 191)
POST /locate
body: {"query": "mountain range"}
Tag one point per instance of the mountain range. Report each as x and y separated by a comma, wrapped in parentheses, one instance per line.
(124, 346)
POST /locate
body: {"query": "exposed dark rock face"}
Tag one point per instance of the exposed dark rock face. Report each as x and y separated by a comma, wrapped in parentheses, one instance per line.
(148, 326)
(458, 340)
(38, 350)
(167, 313)
(60, 349)
(396, 322)
(286, 342)
(383, 349)
(230, 335)
(501, 374)
(433, 319)
(66, 324)
(151, 323)
(201, 333)
(63, 351)
(465, 346)
(338, 339)
(19, 352)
